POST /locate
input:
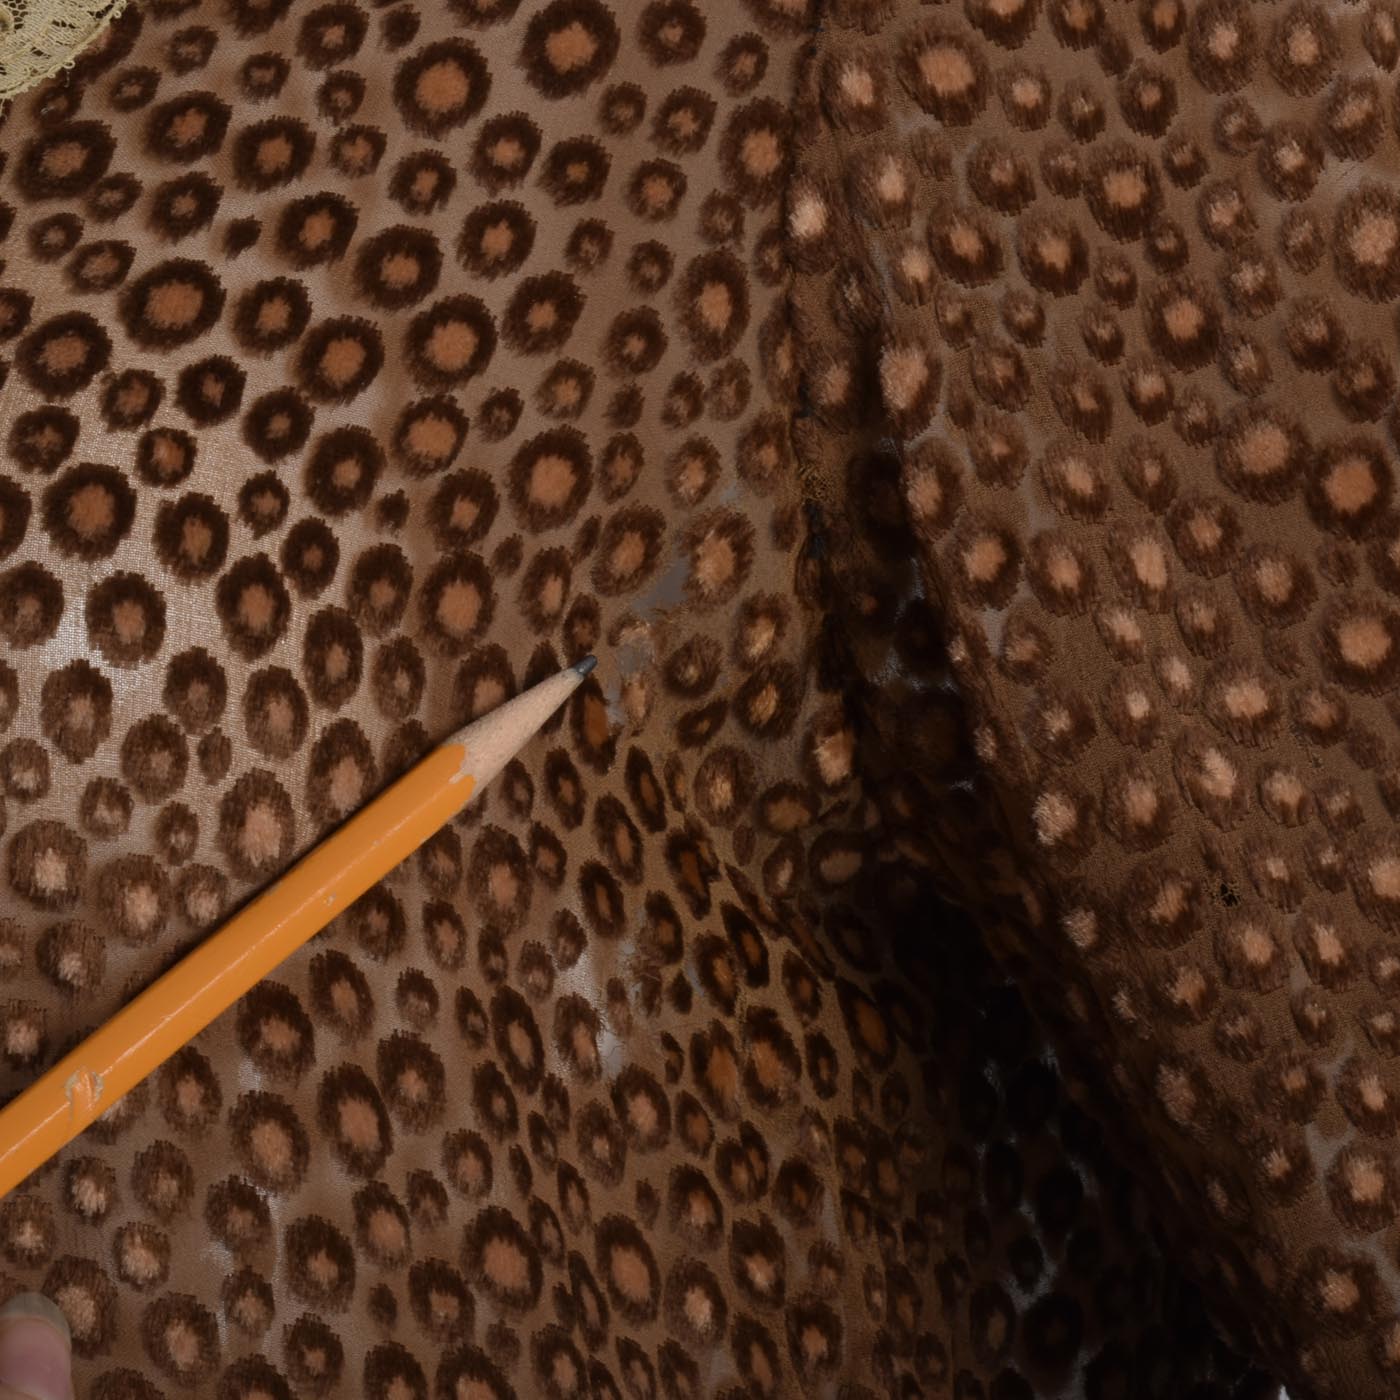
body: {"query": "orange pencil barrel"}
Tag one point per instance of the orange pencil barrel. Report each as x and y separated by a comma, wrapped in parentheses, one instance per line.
(176, 1007)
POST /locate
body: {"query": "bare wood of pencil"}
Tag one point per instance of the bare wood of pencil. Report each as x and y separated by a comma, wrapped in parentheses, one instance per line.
(176, 1007)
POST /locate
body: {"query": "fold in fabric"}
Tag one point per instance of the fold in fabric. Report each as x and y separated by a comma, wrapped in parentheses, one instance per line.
(1103, 299)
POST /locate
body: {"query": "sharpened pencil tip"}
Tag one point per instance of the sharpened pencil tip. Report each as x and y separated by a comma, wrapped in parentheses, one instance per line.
(585, 666)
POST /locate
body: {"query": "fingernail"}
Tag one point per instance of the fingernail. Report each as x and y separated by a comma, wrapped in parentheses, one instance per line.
(35, 1348)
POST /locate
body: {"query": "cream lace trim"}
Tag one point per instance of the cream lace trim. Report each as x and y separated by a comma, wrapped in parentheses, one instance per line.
(38, 38)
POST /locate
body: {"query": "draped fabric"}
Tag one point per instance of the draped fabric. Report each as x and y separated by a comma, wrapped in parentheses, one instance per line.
(947, 948)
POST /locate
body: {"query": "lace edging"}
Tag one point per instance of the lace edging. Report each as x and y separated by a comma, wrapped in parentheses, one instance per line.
(39, 38)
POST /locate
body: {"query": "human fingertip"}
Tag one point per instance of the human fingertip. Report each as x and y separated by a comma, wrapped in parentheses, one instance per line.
(36, 1351)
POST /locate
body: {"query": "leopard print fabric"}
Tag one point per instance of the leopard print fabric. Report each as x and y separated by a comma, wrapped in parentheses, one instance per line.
(1103, 296)
(363, 366)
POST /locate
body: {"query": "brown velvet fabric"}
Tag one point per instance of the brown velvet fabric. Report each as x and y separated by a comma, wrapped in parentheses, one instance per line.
(1104, 296)
(959, 431)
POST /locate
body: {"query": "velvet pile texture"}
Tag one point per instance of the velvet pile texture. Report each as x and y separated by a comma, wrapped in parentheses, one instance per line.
(949, 946)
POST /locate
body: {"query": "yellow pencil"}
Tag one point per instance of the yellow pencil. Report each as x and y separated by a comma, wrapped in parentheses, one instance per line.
(176, 1007)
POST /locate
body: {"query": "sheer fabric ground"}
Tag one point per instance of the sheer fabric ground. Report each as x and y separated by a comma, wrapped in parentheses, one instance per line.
(825, 372)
